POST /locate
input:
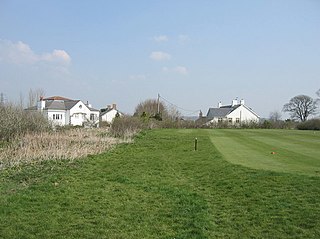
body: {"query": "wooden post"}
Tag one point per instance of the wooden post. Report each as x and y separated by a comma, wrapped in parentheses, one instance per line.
(195, 144)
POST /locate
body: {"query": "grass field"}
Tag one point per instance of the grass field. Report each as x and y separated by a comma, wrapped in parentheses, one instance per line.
(289, 151)
(159, 187)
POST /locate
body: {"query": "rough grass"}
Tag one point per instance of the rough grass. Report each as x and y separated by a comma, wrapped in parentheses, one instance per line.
(67, 144)
(157, 187)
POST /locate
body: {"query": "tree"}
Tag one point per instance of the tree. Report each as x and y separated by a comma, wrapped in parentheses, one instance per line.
(318, 94)
(149, 108)
(275, 116)
(300, 107)
(34, 96)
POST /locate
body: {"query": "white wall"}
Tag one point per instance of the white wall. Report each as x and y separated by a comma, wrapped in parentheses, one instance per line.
(109, 116)
(57, 117)
(241, 114)
(80, 114)
(244, 114)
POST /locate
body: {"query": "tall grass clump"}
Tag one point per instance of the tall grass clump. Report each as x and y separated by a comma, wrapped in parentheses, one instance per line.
(68, 144)
(15, 122)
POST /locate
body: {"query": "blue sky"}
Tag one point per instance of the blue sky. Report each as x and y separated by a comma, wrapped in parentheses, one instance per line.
(195, 53)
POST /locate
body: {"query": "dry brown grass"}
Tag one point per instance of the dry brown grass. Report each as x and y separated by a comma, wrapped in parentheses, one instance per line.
(67, 144)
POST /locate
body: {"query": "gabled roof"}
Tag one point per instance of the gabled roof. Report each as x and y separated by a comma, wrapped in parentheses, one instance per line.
(221, 112)
(92, 109)
(108, 110)
(60, 104)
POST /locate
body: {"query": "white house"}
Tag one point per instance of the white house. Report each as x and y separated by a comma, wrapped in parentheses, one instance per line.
(62, 111)
(109, 113)
(236, 113)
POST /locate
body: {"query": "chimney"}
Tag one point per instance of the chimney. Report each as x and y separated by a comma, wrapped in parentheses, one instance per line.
(234, 102)
(41, 103)
(114, 106)
(89, 105)
(219, 104)
(242, 102)
(200, 114)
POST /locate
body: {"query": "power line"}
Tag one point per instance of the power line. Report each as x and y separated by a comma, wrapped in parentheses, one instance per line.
(178, 107)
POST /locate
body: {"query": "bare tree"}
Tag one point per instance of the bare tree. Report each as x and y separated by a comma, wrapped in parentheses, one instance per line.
(173, 113)
(318, 94)
(34, 96)
(149, 108)
(300, 107)
(275, 116)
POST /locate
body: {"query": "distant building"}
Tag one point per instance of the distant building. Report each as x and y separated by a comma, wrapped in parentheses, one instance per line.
(236, 113)
(109, 113)
(63, 111)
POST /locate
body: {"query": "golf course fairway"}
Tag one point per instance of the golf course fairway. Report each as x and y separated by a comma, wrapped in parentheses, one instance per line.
(289, 151)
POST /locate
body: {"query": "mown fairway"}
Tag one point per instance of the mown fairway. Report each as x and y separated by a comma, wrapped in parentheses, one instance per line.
(159, 187)
(289, 151)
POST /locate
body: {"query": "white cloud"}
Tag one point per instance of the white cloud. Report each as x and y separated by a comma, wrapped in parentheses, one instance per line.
(21, 53)
(182, 70)
(160, 56)
(59, 56)
(161, 38)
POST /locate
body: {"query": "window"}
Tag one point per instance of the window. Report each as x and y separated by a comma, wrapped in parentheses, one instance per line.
(92, 116)
(230, 120)
(57, 116)
(237, 120)
(219, 120)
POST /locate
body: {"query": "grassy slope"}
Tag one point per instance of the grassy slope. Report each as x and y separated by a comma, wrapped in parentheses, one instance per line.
(157, 187)
(295, 151)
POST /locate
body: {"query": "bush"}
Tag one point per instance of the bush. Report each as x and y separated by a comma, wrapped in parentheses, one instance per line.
(313, 124)
(126, 126)
(15, 121)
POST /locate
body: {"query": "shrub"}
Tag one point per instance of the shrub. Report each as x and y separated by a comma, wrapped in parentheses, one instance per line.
(126, 126)
(313, 124)
(15, 121)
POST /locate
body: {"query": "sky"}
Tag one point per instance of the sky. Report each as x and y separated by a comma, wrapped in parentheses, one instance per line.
(194, 53)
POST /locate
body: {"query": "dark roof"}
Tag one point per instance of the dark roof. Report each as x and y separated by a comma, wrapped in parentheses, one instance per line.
(60, 104)
(108, 110)
(92, 109)
(221, 112)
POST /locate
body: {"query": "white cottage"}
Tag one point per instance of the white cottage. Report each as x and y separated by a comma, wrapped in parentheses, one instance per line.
(236, 113)
(109, 113)
(63, 111)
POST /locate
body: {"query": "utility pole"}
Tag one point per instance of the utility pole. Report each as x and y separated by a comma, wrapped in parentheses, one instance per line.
(158, 103)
